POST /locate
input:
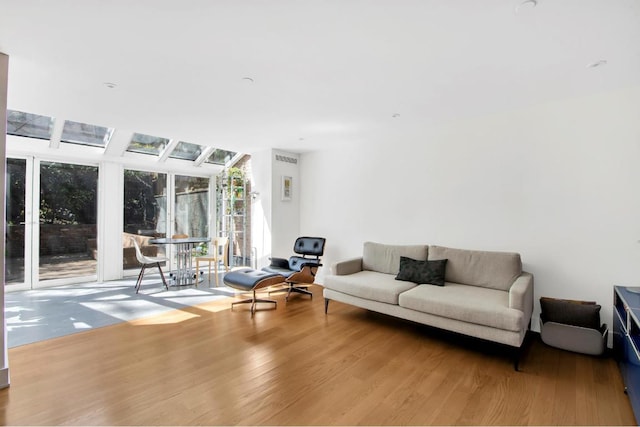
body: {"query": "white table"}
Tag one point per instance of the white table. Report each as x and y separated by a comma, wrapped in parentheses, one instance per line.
(183, 274)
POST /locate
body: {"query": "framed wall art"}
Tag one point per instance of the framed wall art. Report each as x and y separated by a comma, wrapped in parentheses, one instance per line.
(287, 183)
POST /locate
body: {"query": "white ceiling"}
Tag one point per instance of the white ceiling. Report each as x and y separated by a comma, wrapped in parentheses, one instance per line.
(325, 72)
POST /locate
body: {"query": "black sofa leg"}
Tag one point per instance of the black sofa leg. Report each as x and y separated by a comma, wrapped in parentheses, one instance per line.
(519, 351)
(326, 305)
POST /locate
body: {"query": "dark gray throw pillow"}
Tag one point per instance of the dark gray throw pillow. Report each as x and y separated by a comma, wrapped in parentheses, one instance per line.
(422, 272)
(585, 314)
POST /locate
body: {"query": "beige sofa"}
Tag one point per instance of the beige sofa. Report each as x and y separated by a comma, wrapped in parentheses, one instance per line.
(485, 294)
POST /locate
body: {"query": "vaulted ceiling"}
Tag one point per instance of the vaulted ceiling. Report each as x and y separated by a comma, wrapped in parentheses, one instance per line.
(304, 74)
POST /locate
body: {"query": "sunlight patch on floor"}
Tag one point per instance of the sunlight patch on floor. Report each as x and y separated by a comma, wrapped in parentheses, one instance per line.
(177, 317)
(124, 310)
(39, 314)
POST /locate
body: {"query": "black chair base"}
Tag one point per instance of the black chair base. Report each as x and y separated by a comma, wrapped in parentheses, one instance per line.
(293, 287)
(141, 275)
(254, 301)
(299, 290)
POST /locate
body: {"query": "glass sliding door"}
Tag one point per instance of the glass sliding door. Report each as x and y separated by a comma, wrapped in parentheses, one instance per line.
(191, 206)
(145, 214)
(67, 215)
(16, 177)
(151, 205)
(50, 222)
(233, 205)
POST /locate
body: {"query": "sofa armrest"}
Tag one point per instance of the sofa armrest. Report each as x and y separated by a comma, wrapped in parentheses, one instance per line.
(521, 295)
(349, 266)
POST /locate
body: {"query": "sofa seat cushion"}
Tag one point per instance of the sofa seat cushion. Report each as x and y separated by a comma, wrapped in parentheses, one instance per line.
(369, 285)
(472, 304)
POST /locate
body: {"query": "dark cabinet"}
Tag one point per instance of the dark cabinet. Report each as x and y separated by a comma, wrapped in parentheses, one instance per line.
(626, 341)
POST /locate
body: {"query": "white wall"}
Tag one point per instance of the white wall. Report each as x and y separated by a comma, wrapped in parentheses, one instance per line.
(4, 79)
(557, 183)
(261, 170)
(285, 214)
(275, 223)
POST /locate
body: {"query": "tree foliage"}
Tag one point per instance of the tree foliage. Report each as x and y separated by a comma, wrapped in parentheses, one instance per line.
(141, 192)
(68, 193)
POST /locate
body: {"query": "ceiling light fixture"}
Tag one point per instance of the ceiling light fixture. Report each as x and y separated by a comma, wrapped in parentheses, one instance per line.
(597, 64)
(110, 85)
(249, 79)
(395, 115)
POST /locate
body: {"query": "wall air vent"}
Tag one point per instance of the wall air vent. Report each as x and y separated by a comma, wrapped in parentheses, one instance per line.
(286, 159)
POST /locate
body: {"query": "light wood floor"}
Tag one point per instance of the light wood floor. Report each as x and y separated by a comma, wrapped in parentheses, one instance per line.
(209, 365)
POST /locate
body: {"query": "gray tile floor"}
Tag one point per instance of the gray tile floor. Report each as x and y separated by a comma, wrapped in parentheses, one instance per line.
(41, 314)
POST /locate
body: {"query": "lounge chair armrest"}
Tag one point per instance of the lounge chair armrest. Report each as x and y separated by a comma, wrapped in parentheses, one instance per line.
(349, 266)
(311, 264)
(279, 263)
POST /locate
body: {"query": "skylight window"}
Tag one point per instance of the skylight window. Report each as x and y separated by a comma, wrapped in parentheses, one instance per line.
(30, 125)
(220, 157)
(85, 134)
(147, 144)
(186, 151)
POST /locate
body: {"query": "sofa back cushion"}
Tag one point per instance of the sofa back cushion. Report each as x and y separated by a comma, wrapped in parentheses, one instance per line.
(495, 270)
(386, 258)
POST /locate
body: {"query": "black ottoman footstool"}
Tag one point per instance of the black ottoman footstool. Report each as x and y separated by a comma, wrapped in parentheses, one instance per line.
(250, 280)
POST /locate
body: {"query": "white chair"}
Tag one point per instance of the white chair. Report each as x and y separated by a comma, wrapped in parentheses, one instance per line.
(148, 261)
(216, 257)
